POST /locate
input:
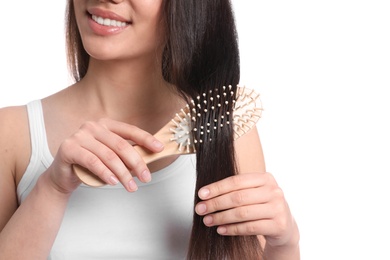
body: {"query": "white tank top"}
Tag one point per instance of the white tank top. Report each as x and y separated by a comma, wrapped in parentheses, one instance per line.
(110, 223)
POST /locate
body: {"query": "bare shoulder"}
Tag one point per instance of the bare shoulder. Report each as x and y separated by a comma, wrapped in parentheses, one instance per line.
(13, 130)
(249, 152)
(14, 155)
(14, 142)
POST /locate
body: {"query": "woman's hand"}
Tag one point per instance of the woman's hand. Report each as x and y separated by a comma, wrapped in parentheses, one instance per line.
(249, 204)
(103, 147)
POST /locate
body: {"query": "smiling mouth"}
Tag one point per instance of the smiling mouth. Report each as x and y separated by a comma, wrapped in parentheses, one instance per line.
(108, 22)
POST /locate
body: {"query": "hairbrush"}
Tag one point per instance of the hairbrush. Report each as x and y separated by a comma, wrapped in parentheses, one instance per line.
(181, 136)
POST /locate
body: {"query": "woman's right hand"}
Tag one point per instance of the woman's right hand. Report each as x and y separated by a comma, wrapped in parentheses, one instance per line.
(103, 148)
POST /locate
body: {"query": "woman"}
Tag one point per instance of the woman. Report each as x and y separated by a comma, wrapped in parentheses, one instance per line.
(135, 64)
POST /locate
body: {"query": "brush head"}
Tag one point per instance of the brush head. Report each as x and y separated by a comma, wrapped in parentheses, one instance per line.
(202, 119)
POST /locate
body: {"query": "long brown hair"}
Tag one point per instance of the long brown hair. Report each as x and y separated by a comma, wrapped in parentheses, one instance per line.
(200, 54)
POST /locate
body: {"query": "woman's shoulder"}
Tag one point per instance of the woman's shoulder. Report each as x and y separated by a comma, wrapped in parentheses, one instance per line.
(14, 139)
(13, 132)
(13, 119)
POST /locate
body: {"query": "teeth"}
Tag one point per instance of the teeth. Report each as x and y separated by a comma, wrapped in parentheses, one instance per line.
(108, 22)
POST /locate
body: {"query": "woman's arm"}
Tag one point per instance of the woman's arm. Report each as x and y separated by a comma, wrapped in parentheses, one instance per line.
(250, 158)
(27, 232)
(31, 231)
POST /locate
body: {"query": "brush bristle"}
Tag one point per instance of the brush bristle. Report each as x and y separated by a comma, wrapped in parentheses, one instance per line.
(246, 112)
(210, 111)
(182, 131)
(199, 121)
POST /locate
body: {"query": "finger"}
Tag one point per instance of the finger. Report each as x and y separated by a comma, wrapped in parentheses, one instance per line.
(121, 157)
(103, 147)
(135, 134)
(94, 173)
(118, 155)
(263, 227)
(234, 199)
(233, 183)
(110, 171)
(237, 215)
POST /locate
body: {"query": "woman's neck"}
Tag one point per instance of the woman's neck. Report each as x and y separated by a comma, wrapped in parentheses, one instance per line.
(133, 94)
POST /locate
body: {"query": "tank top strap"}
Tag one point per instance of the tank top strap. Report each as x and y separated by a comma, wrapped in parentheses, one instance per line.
(41, 157)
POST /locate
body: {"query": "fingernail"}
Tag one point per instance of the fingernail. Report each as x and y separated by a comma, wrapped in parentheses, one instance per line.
(113, 180)
(146, 176)
(158, 145)
(221, 230)
(204, 193)
(132, 185)
(208, 220)
(201, 208)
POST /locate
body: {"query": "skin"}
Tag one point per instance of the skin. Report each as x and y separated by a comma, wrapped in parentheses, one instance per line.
(123, 97)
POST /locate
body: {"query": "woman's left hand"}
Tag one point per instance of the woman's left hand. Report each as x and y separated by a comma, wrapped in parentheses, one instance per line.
(248, 204)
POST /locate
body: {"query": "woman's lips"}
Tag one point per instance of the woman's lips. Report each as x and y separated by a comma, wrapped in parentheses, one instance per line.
(106, 23)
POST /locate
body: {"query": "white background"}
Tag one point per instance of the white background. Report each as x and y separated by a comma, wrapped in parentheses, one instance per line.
(323, 69)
